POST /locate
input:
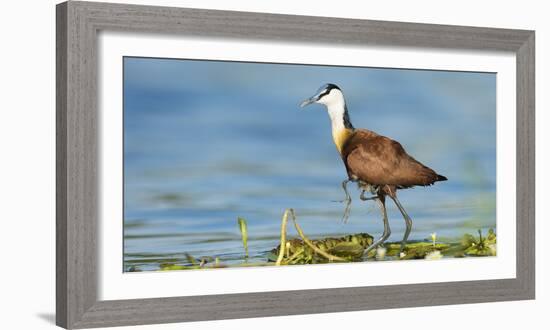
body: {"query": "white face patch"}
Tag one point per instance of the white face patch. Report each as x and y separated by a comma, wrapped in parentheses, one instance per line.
(334, 97)
(336, 105)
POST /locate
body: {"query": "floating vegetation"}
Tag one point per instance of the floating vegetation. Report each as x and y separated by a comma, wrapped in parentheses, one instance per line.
(412, 250)
(305, 251)
(349, 248)
(481, 247)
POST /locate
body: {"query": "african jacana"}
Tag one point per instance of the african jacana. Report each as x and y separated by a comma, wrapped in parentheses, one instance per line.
(379, 165)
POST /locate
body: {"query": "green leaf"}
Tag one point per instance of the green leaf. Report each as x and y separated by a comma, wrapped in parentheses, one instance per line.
(191, 259)
(167, 267)
(244, 234)
(350, 250)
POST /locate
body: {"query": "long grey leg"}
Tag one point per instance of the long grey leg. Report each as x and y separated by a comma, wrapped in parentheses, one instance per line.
(381, 203)
(408, 222)
(347, 200)
(347, 208)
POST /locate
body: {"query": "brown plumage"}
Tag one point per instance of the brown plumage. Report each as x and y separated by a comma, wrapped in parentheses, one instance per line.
(379, 165)
(383, 163)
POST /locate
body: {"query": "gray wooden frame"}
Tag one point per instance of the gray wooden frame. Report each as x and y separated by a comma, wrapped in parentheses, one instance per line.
(78, 24)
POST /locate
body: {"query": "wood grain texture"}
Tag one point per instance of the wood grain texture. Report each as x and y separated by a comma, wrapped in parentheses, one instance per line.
(525, 165)
(77, 157)
(77, 190)
(296, 28)
(61, 166)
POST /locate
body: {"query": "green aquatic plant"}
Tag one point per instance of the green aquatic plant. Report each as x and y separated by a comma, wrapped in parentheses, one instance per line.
(349, 248)
(306, 251)
(481, 247)
(244, 234)
(433, 236)
(193, 263)
(330, 249)
(412, 250)
(177, 267)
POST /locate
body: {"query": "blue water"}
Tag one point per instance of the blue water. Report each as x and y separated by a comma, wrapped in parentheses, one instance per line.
(206, 142)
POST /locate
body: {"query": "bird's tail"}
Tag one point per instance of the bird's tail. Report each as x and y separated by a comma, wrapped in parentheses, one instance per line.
(441, 178)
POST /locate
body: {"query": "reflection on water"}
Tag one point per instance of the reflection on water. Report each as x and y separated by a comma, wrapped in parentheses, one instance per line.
(206, 142)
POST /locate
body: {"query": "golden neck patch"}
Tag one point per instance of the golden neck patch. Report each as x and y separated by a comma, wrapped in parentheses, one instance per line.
(340, 136)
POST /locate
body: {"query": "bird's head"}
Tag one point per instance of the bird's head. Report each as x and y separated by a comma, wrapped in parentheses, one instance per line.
(332, 97)
(329, 95)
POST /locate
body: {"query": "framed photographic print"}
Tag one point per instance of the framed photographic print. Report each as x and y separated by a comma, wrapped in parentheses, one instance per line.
(217, 165)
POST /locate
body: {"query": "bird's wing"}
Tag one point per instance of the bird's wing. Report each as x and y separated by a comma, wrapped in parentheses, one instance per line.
(379, 160)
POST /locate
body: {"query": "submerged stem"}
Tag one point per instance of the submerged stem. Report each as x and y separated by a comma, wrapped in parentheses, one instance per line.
(329, 256)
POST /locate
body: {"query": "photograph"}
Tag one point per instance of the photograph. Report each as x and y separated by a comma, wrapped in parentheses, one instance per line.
(239, 164)
(275, 165)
